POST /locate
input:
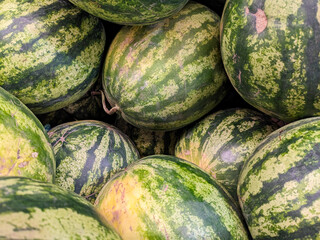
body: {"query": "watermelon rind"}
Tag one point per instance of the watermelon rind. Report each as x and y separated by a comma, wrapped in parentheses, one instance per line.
(164, 197)
(279, 184)
(167, 75)
(88, 153)
(31, 209)
(25, 149)
(50, 52)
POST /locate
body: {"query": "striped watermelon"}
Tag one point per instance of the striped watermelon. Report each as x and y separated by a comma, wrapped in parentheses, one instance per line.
(88, 153)
(30, 209)
(167, 75)
(131, 12)
(50, 52)
(270, 50)
(24, 145)
(223, 141)
(164, 197)
(279, 187)
(149, 142)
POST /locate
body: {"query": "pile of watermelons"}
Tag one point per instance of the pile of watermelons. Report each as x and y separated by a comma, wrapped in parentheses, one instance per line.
(160, 119)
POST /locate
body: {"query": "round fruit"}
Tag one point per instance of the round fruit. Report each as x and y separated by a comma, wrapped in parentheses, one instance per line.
(223, 141)
(88, 153)
(279, 184)
(270, 50)
(131, 12)
(164, 197)
(25, 149)
(35, 210)
(50, 52)
(165, 76)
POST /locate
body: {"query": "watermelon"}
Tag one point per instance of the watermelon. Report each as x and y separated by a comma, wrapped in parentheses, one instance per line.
(270, 52)
(88, 153)
(31, 209)
(133, 12)
(164, 197)
(25, 149)
(221, 142)
(50, 52)
(279, 184)
(149, 142)
(167, 75)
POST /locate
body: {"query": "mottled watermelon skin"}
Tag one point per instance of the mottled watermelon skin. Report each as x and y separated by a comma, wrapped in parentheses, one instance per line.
(88, 153)
(50, 52)
(25, 149)
(167, 75)
(279, 184)
(31, 209)
(164, 197)
(221, 142)
(270, 51)
(132, 12)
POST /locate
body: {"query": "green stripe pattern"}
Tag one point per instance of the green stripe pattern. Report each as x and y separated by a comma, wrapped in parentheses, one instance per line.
(271, 54)
(149, 142)
(223, 141)
(167, 75)
(131, 12)
(31, 209)
(50, 52)
(164, 197)
(88, 153)
(25, 149)
(279, 184)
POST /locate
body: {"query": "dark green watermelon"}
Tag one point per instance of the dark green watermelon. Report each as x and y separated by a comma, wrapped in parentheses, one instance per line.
(88, 153)
(271, 53)
(279, 186)
(167, 75)
(131, 12)
(50, 52)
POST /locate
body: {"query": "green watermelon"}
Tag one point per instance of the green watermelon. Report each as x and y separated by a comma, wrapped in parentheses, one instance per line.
(221, 142)
(279, 186)
(31, 209)
(88, 153)
(149, 142)
(50, 52)
(131, 12)
(270, 50)
(25, 149)
(164, 197)
(167, 75)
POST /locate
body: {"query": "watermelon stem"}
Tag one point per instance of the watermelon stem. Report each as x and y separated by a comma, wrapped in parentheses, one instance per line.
(104, 105)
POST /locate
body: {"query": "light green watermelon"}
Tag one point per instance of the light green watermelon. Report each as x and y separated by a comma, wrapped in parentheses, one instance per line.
(164, 197)
(25, 149)
(30, 209)
(221, 142)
